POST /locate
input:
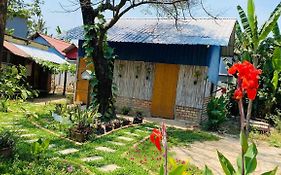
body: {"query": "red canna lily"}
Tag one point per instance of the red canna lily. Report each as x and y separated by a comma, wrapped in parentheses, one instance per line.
(156, 138)
(248, 79)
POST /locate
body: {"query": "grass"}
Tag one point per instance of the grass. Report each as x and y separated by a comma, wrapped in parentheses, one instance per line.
(274, 139)
(53, 163)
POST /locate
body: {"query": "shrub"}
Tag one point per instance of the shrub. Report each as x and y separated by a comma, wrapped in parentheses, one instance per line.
(125, 110)
(39, 147)
(13, 83)
(217, 113)
(3, 105)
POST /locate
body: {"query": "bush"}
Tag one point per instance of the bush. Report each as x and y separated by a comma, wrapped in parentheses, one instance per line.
(217, 113)
(125, 110)
(3, 105)
(13, 83)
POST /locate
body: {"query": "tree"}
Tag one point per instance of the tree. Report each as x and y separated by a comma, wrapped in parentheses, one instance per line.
(251, 40)
(3, 15)
(97, 50)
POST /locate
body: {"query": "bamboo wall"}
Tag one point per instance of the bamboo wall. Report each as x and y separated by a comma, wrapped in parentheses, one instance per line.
(134, 79)
(189, 92)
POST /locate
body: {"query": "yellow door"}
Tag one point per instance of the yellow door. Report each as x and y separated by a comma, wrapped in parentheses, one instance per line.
(164, 90)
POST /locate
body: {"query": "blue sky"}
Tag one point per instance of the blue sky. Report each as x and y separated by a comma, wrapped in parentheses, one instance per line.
(55, 15)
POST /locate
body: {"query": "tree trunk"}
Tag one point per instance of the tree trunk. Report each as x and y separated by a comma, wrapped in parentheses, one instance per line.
(3, 15)
(103, 67)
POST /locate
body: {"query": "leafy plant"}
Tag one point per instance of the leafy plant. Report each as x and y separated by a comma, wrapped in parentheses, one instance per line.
(39, 147)
(248, 159)
(175, 168)
(125, 110)
(13, 83)
(8, 139)
(217, 113)
(3, 105)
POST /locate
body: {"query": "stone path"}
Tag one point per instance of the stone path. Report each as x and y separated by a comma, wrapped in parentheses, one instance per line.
(68, 151)
(105, 149)
(125, 138)
(205, 153)
(108, 168)
(90, 159)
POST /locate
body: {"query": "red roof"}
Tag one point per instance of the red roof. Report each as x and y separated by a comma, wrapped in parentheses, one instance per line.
(58, 44)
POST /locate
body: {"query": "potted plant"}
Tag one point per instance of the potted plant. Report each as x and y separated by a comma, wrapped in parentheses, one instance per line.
(7, 143)
(82, 127)
(99, 129)
(108, 126)
(125, 122)
(138, 118)
(117, 123)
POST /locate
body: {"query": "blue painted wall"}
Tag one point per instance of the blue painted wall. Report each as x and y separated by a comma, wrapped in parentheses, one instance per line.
(214, 58)
(19, 25)
(41, 40)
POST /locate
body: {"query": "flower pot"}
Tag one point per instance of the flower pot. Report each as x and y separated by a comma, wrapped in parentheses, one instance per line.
(6, 152)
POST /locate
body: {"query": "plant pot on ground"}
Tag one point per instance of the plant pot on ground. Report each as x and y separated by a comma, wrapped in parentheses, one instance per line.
(108, 126)
(7, 143)
(117, 123)
(99, 130)
(138, 118)
(125, 122)
(81, 133)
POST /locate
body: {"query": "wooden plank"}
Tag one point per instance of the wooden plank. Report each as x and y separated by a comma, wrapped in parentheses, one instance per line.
(164, 90)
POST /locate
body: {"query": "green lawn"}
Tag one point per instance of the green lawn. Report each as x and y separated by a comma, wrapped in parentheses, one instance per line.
(140, 162)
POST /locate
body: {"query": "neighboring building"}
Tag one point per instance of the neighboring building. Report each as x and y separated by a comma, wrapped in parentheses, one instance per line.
(164, 70)
(69, 52)
(18, 25)
(19, 51)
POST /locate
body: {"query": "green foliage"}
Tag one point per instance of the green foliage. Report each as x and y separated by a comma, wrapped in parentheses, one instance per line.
(125, 110)
(249, 157)
(3, 105)
(39, 147)
(175, 168)
(217, 112)
(13, 83)
(7, 139)
(56, 68)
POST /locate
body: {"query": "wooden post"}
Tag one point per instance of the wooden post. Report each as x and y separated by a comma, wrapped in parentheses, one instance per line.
(3, 15)
(64, 83)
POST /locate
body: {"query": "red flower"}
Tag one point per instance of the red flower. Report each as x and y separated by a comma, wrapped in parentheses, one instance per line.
(238, 94)
(248, 79)
(156, 138)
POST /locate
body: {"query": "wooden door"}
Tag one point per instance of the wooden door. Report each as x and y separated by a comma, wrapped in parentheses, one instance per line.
(164, 90)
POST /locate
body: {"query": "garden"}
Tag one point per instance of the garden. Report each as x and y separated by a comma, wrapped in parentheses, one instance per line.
(68, 138)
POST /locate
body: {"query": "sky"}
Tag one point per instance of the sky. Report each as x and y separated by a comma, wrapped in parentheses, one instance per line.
(55, 15)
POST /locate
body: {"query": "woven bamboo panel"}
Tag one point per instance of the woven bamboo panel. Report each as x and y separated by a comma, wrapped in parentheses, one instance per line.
(191, 86)
(134, 79)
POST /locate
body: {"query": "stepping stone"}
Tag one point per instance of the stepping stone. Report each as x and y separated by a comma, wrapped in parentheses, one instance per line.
(90, 159)
(28, 135)
(105, 149)
(141, 130)
(132, 134)
(125, 138)
(108, 168)
(20, 130)
(68, 151)
(116, 143)
(31, 141)
(52, 145)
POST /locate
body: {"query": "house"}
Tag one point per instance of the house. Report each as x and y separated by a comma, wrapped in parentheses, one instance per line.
(65, 50)
(164, 70)
(20, 51)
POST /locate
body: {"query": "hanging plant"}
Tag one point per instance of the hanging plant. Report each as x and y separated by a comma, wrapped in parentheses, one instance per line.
(56, 68)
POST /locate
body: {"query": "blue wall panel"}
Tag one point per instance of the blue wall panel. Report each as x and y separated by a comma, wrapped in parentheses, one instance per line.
(41, 40)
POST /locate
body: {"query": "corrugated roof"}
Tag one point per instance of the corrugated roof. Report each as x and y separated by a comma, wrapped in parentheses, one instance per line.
(58, 44)
(12, 48)
(40, 54)
(202, 31)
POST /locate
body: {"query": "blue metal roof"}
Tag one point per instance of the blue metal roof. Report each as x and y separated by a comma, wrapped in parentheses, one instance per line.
(40, 54)
(202, 31)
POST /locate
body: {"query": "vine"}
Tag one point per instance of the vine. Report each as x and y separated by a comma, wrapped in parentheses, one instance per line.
(56, 68)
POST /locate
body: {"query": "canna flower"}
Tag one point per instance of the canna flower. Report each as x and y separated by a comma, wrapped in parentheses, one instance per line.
(156, 138)
(248, 79)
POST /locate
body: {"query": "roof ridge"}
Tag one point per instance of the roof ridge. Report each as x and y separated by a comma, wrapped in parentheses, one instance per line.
(55, 38)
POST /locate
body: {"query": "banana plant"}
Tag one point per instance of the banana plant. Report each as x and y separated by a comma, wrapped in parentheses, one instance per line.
(249, 37)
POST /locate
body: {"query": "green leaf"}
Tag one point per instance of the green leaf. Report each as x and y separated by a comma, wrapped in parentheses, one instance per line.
(161, 170)
(252, 19)
(179, 170)
(243, 142)
(207, 171)
(250, 159)
(276, 59)
(270, 23)
(273, 172)
(245, 23)
(226, 165)
(275, 79)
